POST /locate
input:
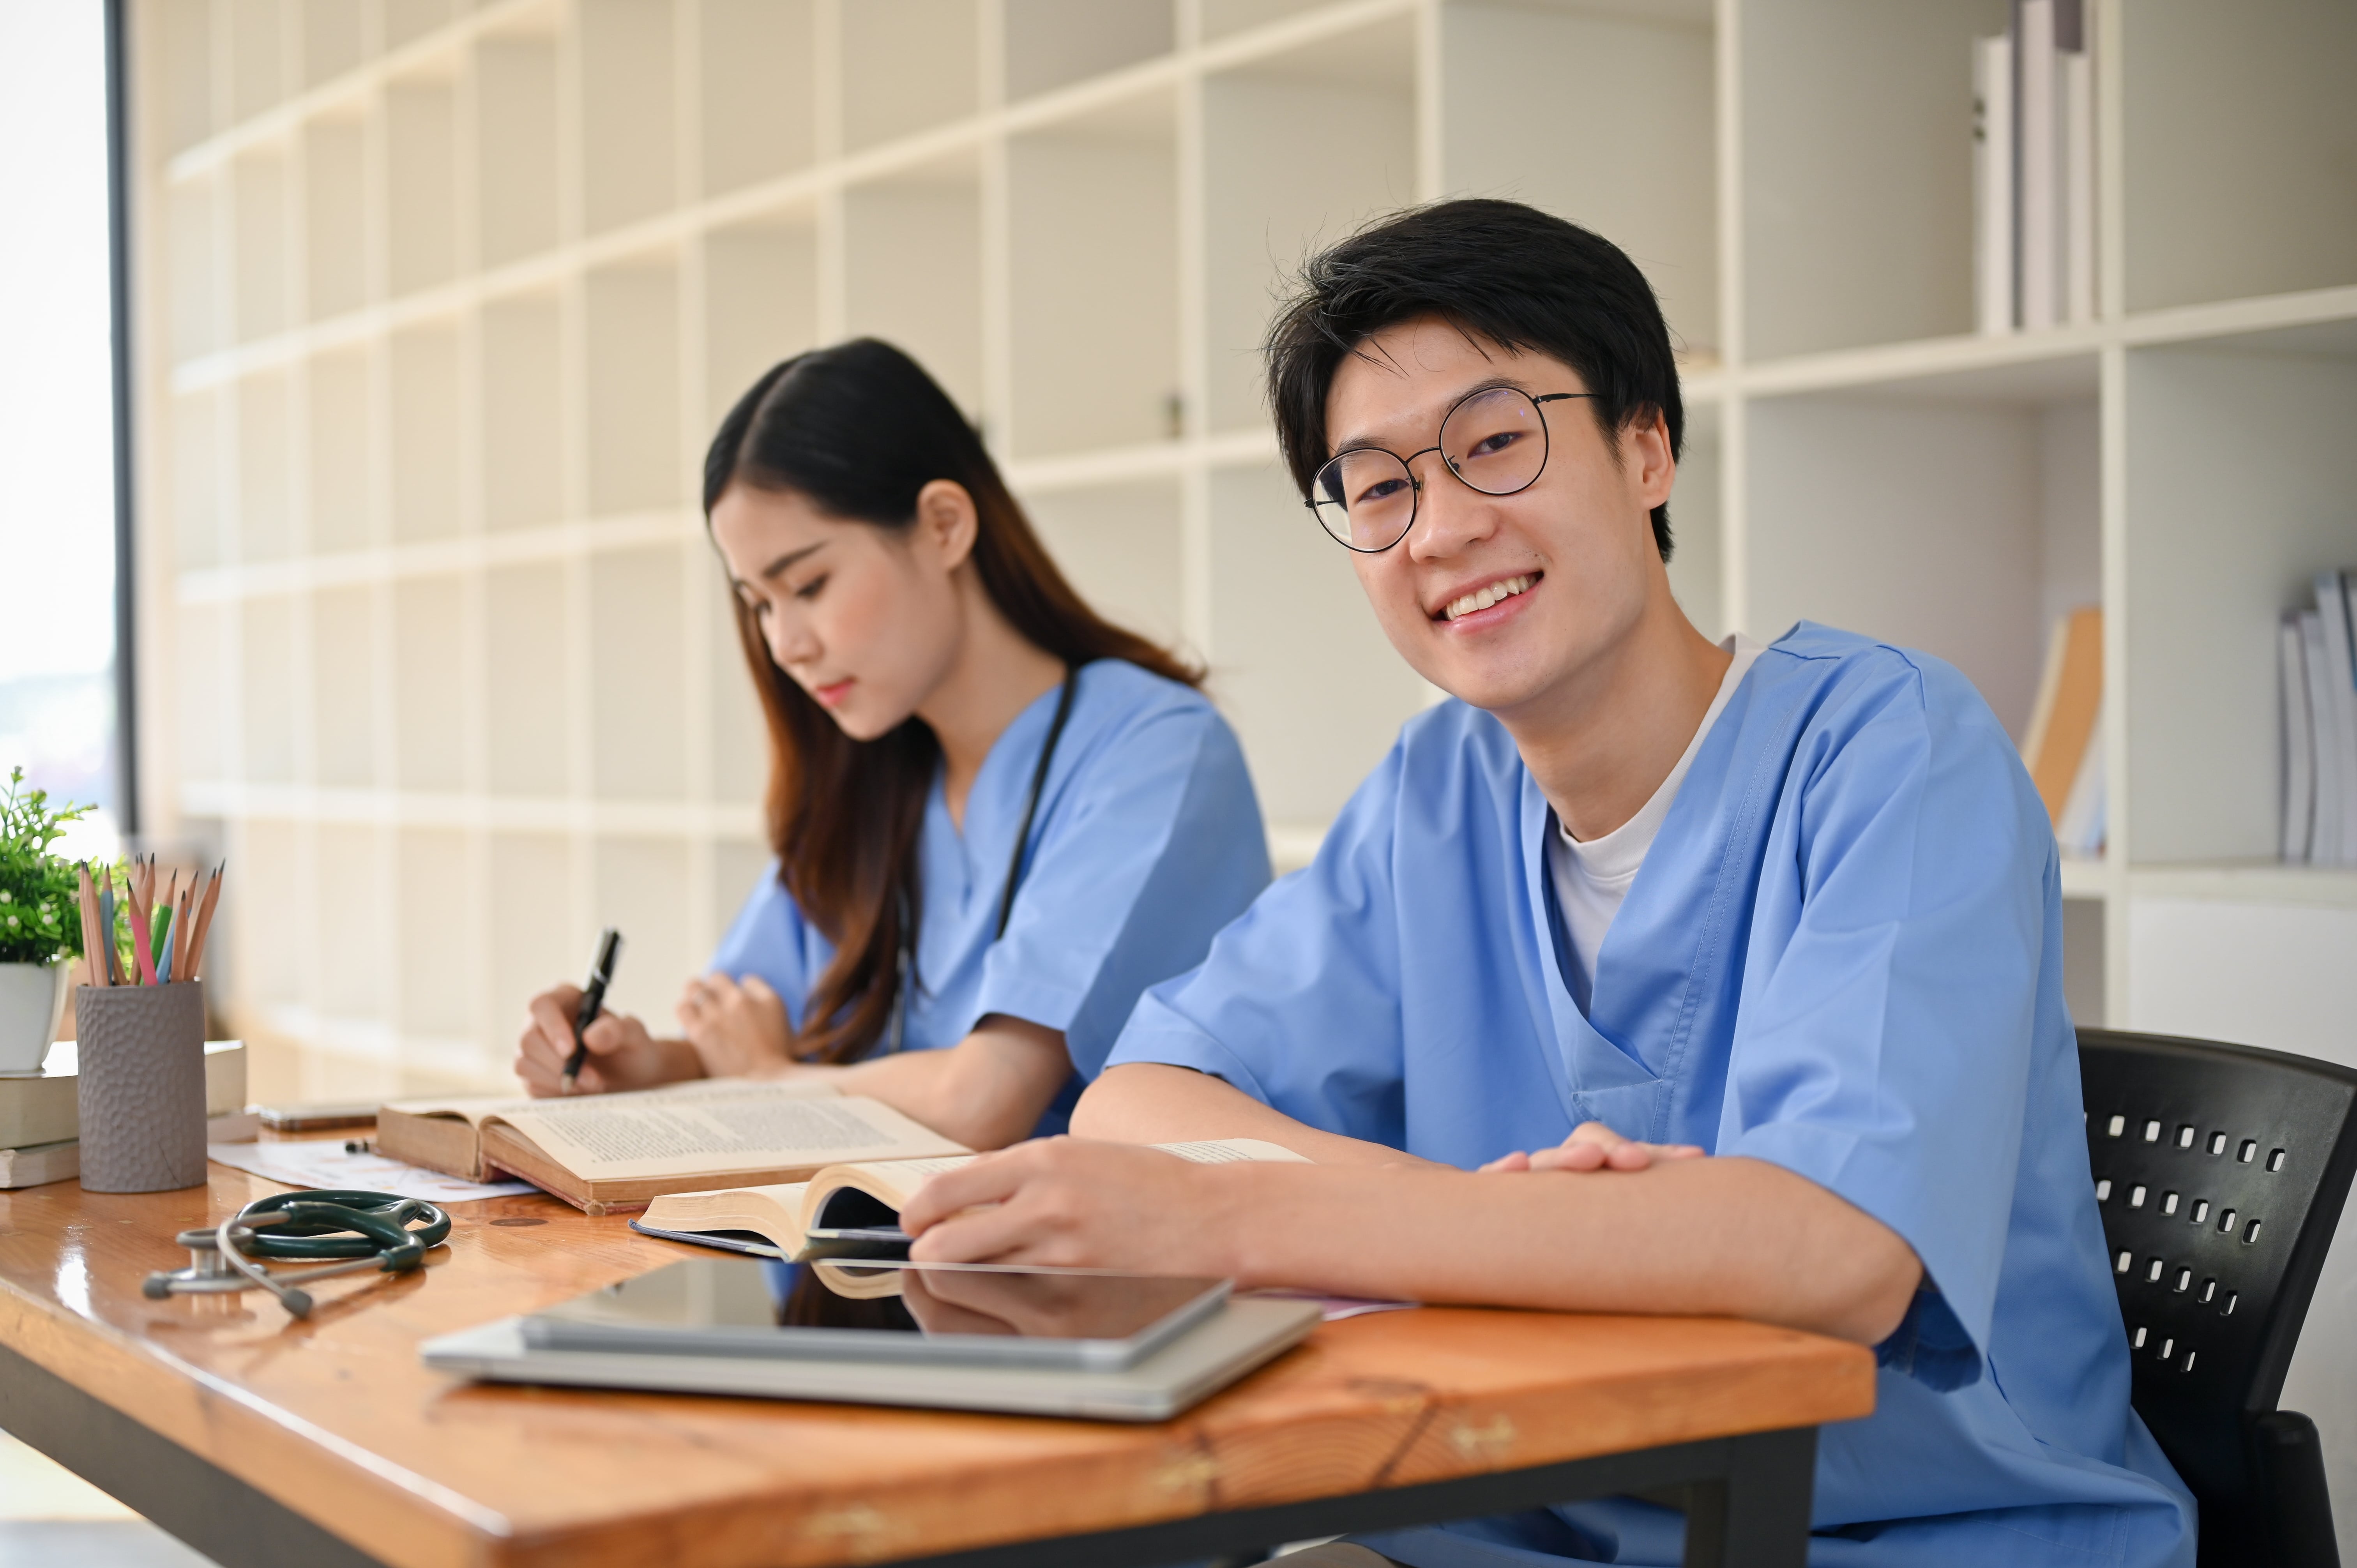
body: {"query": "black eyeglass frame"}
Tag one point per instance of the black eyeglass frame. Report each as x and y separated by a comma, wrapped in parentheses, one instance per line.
(1407, 464)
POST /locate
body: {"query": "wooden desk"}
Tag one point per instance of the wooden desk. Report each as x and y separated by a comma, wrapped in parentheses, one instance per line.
(270, 1443)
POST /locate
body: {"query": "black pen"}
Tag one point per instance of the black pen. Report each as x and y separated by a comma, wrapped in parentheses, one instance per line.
(593, 998)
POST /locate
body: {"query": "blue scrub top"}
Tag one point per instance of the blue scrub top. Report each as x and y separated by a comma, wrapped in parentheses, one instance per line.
(1843, 955)
(1147, 841)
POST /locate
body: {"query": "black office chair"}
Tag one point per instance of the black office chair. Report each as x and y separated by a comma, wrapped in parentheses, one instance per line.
(2219, 1172)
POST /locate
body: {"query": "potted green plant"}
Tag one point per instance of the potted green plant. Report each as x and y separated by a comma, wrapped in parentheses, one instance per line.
(40, 928)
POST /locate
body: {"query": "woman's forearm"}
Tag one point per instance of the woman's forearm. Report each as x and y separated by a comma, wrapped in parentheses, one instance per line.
(1715, 1237)
(986, 1092)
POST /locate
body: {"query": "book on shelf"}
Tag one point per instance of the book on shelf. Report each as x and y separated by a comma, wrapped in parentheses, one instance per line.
(2035, 73)
(2324, 745)
(2034, 170)
(609, 1154)
(2299, 740)
(2079, 831)
(2317, 656)
(867, 1193)
(1993, 183)
(2074, 84)
(2063, 747)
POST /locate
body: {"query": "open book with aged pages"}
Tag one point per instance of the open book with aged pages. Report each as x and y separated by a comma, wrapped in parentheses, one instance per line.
(609, 1154)
(854, 1195)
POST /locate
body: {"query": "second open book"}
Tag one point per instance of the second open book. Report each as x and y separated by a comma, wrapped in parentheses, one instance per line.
(866, 1192)
(612, 1152)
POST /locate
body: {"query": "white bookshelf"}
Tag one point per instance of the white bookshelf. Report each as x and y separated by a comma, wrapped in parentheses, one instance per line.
(441, 303)
(438, 303)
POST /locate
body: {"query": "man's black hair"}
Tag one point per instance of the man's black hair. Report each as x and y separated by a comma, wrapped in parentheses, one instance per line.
(1498, 270)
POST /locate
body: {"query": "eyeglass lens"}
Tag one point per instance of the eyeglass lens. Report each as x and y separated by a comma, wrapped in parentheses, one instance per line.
(1495, 441)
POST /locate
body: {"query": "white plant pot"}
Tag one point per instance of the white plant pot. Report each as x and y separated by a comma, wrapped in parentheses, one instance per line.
(32, 1000)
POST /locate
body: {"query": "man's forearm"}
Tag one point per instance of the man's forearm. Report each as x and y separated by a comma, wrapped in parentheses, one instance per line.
(1148, 1102)
(1713, 1237)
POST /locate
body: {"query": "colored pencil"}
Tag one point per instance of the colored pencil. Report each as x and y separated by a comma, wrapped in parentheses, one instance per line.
(205, 918)
(184, 935)
(167, 909)
(142, 911)
(114, 975)
(86, 898)
(142, 956)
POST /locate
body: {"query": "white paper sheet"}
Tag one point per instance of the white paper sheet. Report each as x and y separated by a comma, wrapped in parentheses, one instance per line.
(324, 1164)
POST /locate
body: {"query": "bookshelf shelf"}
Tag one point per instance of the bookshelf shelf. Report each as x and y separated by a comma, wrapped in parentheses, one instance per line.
(2086, 879)
(2260, 882)
(1855, 205)
(2239, 123)
(2017, 367)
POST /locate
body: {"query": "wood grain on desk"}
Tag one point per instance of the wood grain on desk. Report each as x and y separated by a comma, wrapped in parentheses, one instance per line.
(337, 1418)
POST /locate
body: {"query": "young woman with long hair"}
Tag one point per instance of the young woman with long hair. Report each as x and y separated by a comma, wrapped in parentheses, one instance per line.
(998, 817)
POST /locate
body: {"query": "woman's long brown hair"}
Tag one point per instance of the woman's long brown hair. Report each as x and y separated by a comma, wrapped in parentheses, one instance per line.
(858, 429)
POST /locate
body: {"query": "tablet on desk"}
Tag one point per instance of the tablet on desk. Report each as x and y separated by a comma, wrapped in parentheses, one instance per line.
(884, 1311)
(960, 1336)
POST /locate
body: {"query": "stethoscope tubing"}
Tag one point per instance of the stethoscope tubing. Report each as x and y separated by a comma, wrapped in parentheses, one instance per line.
(347, 1231)
(906, 968)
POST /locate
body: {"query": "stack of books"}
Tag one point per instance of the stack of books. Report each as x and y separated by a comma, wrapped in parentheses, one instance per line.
(2320, 726)
(2034, 170)
(2063, 747)
(41, 1113)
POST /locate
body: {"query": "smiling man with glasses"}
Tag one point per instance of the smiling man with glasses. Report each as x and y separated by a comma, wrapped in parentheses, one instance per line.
(1647, 975)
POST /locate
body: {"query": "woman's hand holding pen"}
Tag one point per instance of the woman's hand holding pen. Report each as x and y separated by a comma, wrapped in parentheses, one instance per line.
(738, 1029)
(622, 1055)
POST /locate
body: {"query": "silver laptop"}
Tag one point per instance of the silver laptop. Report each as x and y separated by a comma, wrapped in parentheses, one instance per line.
(1076, 1342)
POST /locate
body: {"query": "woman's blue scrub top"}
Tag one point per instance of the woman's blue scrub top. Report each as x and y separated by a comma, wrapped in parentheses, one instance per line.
(1844, 955)
(1147, 841)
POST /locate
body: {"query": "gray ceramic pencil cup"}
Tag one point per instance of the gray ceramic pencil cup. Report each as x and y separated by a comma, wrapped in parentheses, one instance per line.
(141, 1065)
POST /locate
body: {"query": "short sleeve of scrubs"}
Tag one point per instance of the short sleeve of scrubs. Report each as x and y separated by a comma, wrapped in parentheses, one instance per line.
(1300, 1004)
(1150, 845)
(1884, 1047)
(771, 938)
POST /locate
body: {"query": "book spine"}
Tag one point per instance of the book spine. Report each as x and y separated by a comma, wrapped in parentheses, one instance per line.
(2077, 81)
(1993, 249)
(2050, 687)
(2080, 831)
(2298, 743)
(2341, 677)
(2324, 720)
(41, 1165)
(2039, 163)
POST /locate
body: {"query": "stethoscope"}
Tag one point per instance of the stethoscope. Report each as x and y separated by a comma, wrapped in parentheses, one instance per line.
(905, 972)
(372, 1229)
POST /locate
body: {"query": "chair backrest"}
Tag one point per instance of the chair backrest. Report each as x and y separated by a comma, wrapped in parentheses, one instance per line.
(2220, 1173)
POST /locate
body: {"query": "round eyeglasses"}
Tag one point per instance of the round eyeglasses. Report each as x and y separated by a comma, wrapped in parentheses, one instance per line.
(1495, 440)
